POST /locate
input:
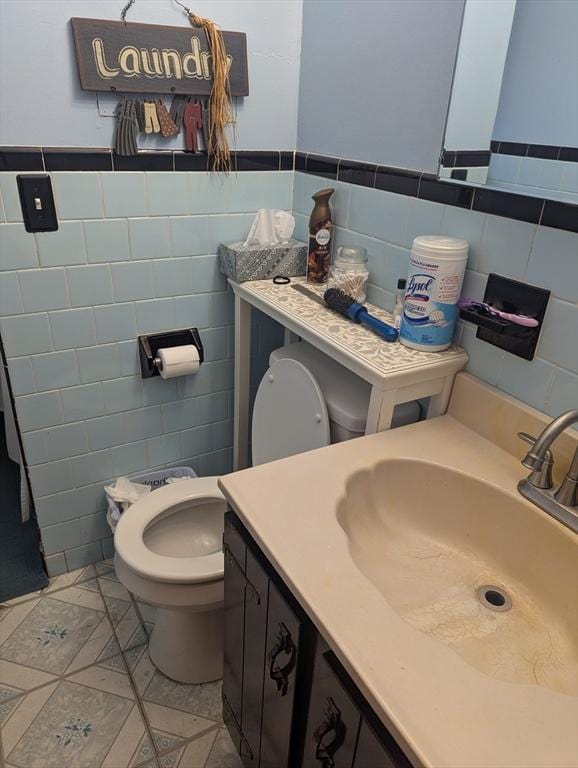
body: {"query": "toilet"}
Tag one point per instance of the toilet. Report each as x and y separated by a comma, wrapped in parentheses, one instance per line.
(168, 545)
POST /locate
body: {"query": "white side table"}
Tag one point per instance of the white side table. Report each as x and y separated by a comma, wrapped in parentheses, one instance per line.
(396, 373)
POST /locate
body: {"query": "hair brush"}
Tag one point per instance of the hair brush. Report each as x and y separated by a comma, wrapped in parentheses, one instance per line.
(346, 306)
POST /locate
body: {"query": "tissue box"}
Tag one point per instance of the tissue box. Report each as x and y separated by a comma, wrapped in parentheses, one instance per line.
(256, 262)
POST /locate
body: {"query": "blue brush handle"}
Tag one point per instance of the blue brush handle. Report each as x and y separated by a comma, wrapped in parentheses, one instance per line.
(359, 314)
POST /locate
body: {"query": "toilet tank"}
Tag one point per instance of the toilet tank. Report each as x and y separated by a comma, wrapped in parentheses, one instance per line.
(346, 395)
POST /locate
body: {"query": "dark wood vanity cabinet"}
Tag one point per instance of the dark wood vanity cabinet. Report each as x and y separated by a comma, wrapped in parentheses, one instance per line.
(342, 731)
(287, 701)
(267, 647)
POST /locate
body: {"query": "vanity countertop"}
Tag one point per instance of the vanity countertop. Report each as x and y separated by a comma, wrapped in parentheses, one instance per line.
(443, 711)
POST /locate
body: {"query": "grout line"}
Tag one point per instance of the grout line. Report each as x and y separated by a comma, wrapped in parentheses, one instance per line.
(182, 742)
(148, 728)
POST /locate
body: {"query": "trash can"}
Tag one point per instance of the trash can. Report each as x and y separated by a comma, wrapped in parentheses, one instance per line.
(155, 479)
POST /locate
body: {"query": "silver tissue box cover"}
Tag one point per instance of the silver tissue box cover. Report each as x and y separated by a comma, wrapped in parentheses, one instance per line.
(256, 262)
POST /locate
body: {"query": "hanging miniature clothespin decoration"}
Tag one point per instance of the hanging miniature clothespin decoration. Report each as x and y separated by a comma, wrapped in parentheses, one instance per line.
(177, 109)
(214, 118)
(168, 126)
(139, 106)
(152, 124)
(192, 120)
(127, 128)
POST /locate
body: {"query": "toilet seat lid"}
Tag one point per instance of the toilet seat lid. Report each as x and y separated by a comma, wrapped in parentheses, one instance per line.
(129, 536)
(290, 415)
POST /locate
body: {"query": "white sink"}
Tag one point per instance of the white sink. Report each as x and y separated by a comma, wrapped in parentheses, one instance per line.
(429, 537)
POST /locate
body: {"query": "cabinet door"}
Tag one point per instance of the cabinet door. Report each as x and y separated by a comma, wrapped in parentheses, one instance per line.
(333, 721)
(256, 597)
(371, 753)
(283, 628)
(234, 616)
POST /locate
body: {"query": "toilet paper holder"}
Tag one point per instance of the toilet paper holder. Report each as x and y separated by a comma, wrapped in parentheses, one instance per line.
(149, 345)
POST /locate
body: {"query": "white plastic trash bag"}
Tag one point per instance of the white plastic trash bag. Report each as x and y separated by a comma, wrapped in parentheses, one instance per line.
(127, 490)
(122, 494)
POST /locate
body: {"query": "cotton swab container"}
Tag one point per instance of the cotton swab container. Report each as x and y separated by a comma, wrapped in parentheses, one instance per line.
(349, 273)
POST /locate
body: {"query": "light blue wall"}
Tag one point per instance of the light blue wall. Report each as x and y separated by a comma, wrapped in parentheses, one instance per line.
(135, 253)
(385, 224)
(539, 101)
(376, 78)
(42, 103)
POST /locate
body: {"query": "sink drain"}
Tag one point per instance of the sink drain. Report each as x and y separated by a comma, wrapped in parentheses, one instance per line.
(494, 598)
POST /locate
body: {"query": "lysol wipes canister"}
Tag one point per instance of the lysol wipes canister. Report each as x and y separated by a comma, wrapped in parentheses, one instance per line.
(434, 283)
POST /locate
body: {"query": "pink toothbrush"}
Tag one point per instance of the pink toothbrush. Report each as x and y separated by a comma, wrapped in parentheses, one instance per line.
(528, 322)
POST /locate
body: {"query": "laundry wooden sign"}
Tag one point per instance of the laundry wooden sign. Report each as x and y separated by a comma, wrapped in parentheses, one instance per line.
(151, 58)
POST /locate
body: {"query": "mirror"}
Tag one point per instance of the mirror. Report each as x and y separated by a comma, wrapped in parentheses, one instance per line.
(513, 116)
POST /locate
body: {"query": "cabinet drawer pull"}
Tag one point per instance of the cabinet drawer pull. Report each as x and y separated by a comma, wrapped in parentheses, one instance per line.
(280, 669)
(251, 588)
(330, 735)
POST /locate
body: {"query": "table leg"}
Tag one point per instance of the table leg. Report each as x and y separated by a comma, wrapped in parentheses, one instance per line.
(289, 337)
(438, 404)
(380, 411)
(242, 379)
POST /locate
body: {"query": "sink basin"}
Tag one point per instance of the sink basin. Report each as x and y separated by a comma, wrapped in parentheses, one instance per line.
(471, 566)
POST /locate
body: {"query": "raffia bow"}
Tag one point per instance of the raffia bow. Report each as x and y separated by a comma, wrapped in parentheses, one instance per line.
(220, 113)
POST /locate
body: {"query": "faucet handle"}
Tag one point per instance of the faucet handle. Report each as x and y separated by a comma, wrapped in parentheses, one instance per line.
(542, 477)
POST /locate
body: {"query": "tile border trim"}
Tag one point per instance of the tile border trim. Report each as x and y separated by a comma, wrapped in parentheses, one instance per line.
(462, 158)
(427, 186)
(540, 151)
(103, 159)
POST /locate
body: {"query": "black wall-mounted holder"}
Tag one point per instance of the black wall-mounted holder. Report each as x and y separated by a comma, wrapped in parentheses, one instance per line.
(516, 298)
(148, 347)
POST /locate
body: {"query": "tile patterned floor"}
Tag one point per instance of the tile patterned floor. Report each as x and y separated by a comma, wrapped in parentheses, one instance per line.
(78, 689)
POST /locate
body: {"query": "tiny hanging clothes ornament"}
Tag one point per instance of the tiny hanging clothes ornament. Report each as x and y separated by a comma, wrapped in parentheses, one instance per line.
(177, 109)
(151, 120)
(139, 105)
(168, 126)
(127, 128)
(193, 122)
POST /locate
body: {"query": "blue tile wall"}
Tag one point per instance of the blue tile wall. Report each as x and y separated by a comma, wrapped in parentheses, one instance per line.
(386, 223)
(137, 254)
(134, 253)
(517, 173)
(149, 238)
(63, 247)
(42, 289)
(106, 240)
(89, 285)
(17, 249)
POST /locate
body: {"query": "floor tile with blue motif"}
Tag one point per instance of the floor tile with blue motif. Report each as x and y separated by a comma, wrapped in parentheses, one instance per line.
(78, 689)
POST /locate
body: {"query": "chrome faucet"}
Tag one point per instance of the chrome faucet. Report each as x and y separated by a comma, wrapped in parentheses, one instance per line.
(537, 487)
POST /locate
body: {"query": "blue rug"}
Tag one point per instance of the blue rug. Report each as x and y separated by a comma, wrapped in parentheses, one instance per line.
(21, 564)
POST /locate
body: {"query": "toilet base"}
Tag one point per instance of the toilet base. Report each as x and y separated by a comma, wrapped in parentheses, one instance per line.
(187, 646)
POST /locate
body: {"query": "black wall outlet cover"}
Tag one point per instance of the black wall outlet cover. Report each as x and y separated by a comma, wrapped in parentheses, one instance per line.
(37, 203)
(519, 299)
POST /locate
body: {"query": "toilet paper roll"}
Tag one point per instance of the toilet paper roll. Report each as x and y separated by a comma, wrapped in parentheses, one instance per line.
(178, 361)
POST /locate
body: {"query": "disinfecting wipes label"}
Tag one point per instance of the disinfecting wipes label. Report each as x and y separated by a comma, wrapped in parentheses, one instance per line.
(430, 304)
